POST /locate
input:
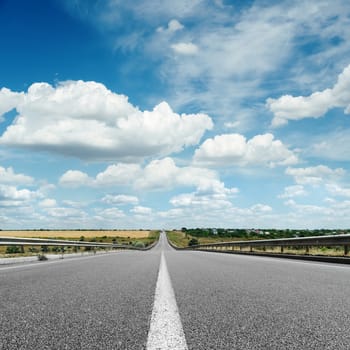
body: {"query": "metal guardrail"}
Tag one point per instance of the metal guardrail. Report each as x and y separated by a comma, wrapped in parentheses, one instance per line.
(17, 241)
(307, 242)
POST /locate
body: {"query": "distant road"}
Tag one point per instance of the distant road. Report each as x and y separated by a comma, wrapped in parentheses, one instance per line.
(223, 301)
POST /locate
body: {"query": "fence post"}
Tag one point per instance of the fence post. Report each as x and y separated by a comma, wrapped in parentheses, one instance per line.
(346, 249)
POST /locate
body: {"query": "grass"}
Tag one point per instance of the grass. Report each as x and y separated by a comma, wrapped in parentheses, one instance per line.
(178, 238)
(124, 237)
(181, 240)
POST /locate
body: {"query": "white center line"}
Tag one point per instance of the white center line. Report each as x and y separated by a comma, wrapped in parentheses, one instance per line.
(166, 330)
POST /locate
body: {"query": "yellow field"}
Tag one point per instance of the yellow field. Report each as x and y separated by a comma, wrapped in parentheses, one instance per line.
(76, 234)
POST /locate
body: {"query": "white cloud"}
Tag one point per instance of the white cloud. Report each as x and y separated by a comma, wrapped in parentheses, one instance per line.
(310, 209)
(314, 175)
(48, 203)
(293, 191)
(187, 49)
(314, 106)
(140, 210)
(86, 120)
(8, 176)
(157, 175)
(337, 190)
(118, 174)
(66, 213)
(74, 178)
(324, 145)
(165, 174)
(11, 196)
(210, 194)
(114, 175)
(206, 202)
(75, 204)
(120, 199)
(9, 100)
(261, 208)
(234, 149)
(111, 213)
(173, 26)
(175, 213)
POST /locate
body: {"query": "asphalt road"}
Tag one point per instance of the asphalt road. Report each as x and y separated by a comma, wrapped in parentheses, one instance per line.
(225, 302)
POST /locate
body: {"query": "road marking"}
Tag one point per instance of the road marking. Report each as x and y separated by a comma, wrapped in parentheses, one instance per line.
(166, 330)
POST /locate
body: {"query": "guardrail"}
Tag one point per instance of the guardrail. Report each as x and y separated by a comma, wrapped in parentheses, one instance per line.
(306, 242)
(17, 241)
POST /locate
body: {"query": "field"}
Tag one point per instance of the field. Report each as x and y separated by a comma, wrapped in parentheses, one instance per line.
(181, 240)
(76, 234)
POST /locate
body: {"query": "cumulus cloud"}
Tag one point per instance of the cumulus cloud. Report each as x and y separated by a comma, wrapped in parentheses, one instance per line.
(88, 121)
(261, 208)
(118, 174)
(140, 210)
(48, 203)
(75, 178)
(66, 213)
(8, 176)
(315, 105)
(234, 149)
(110, 213)
(314, 175)
(120, 199)
(337, 190)
(12, 196)
(310, 209)
(9, 100)
(173, 26)
(113, 175)
(207, 201)
(157, 175)
(210, 194)
(187, 49)
(293, 191)
(164, 173)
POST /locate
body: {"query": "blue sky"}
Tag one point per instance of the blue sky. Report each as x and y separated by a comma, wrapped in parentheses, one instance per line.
(150, 114)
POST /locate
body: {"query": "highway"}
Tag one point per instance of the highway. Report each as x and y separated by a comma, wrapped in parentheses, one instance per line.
(222, 301)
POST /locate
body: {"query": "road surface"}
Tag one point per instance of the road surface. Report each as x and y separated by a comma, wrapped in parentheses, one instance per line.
(221, 301)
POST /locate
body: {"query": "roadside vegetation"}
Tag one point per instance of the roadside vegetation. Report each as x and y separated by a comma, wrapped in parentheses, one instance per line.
(188, 237)
(139, 239)
(243, 234)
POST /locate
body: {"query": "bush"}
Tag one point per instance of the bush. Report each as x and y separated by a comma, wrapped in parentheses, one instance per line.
(139, 244)
(193, 241)
(13, 249)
